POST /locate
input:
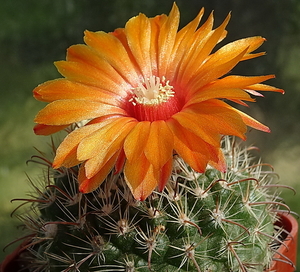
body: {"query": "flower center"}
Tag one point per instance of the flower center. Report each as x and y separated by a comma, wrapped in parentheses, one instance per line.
(152, 91)
(153, 99)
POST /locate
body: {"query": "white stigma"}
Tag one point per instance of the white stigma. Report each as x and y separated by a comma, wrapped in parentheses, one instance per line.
(152, 91)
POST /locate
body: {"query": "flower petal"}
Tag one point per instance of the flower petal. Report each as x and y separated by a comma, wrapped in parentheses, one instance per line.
(183, 41)
(164, 174)
(41, 129)
(254, 43)
(138, 33)
(156, 24)
(96, 163)
(61, 89)
(64, 112)
(87, 185)
(197, 56)
(220, 164)
(193, 142)
(159, 147)
(234, 82)
(191, 50)
(104, 142)
(66, 153)
(111, 49)
(136, 140)
(197, 161)
(222, 65)
(140, 177)
(189, 122)
(218, 117)
(231, 50)
(190, 147)
(194, 151)
(120, 162)
(251, 122)
(223, 61)
(92, 76)
(264, 87)
(230, 94)
(166, 40)
(88, 56)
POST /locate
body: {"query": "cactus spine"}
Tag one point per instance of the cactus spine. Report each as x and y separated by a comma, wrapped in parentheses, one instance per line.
(201, 222)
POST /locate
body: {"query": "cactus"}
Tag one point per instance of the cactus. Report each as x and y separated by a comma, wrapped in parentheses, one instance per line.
(200, 222)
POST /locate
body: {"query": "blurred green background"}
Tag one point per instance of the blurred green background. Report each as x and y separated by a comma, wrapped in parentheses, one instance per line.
(35, 33)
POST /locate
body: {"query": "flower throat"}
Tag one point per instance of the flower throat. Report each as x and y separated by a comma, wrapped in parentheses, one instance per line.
(153, 99)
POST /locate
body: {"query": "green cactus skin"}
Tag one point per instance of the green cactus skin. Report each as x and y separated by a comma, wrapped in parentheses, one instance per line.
(201, 222)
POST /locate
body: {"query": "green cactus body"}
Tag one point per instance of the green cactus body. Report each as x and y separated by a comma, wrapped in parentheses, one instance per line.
(201, 222)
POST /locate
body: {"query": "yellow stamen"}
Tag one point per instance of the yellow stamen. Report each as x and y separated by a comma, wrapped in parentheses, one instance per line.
(152, 91)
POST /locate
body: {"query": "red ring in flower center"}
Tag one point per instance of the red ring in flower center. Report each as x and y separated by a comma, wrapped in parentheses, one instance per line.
(152, 100)
(162, 111)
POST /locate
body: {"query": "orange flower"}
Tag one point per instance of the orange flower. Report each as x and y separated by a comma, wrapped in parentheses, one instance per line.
(145, 92)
